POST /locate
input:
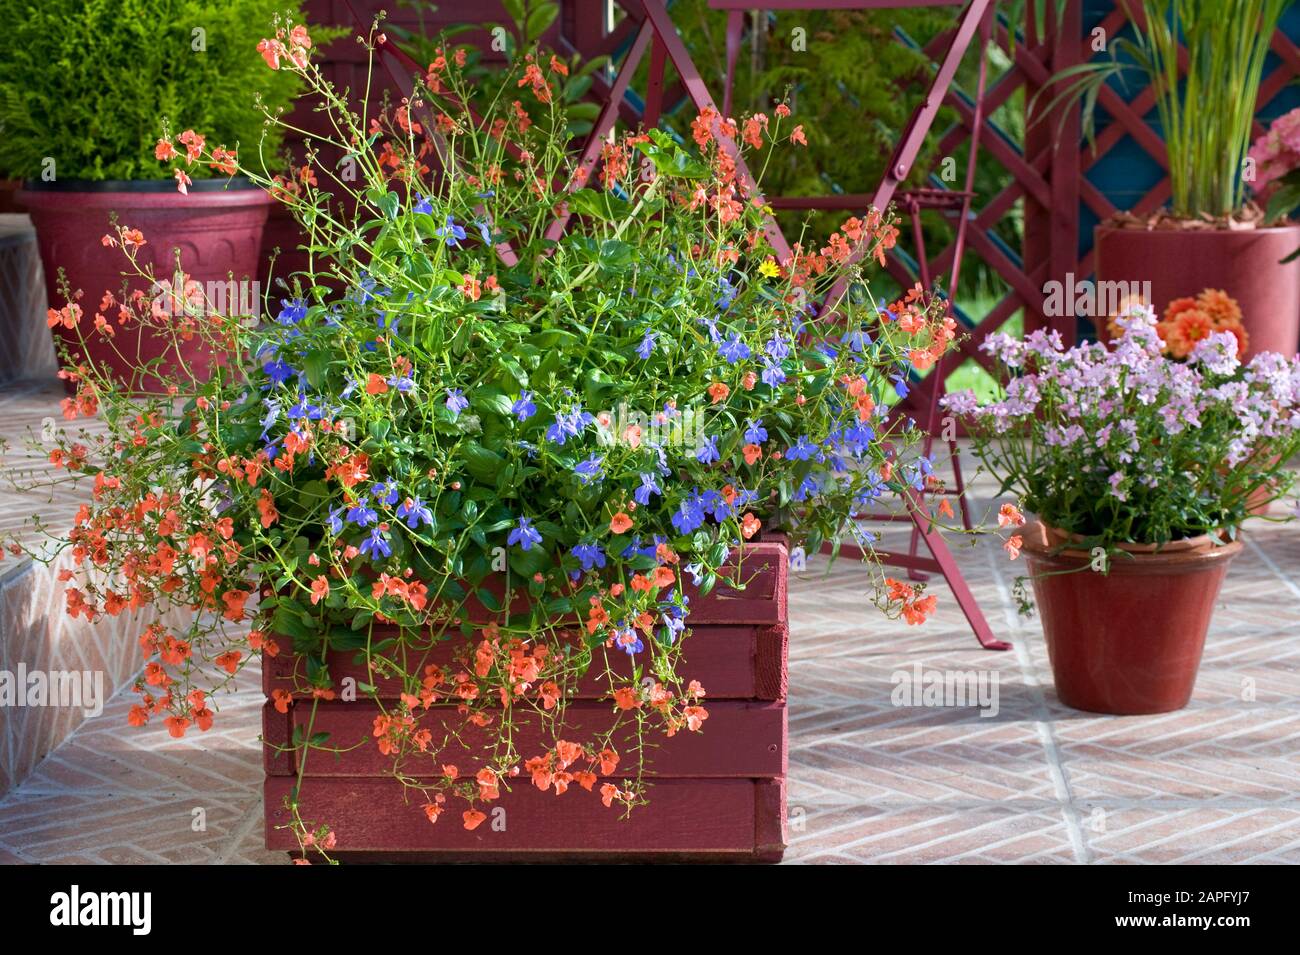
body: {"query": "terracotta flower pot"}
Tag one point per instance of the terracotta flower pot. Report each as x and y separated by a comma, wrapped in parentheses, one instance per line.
(1245, 263)
(1129, 641)
(218, 229)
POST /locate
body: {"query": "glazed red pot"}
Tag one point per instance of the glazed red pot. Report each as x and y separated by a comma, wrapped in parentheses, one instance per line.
(1129, 641)
(217, 228)
(1244, 263)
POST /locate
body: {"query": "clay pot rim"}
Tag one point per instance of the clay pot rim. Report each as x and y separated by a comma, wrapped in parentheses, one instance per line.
(58, 201)
(1189, 553)
(1209, 229)
(164, 184)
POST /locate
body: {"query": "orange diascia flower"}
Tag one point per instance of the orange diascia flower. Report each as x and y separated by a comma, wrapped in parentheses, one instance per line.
(918, 610)
(1009, 516)
(625, 698)
(1012, 545)
(266, 507)
(718, 391)
(473, 818)
(320, 589)
(235, 600)
(620, 523)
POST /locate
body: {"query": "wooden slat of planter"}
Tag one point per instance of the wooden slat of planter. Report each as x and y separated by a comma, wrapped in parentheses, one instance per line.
(277, 733)
(764, 570)
(769, 819)
(734, 819)
(771, 650)
(738, 740)
(731, 663)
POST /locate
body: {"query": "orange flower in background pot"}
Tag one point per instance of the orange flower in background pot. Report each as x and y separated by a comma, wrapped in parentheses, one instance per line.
(1183, 332)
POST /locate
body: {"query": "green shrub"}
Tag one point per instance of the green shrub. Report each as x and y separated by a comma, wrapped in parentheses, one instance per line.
(88, 83)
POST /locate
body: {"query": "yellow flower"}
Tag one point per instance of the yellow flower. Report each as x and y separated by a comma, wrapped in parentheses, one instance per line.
(769, 269)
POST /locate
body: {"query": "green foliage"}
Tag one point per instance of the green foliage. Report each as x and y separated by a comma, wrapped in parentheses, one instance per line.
(88, 83)
(565, 435)
(847, 78)
(526, 22)
(1205, 95)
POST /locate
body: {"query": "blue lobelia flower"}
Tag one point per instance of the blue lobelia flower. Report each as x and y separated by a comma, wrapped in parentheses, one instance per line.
(590, 554)
(708, 451)
(525, 535)
(728, 293)
(422, 204)
(803, 450)
(733, 349)
(715, 504)
(386, 492)
(647, 346)
(305, 409)
(635, 549)
(689, 514)
(627, 640)
(773, 374)
(778, 348)
(362, 516)
(648, 486)
(673, 616)
(376, 546)
(271, 417)
(523, 408)
(755, 433)
(857, 340)
(415, 513)
(808, 487)
(404, 382)
(589, 470)
(336, 519)
(875, 487)
(450, 233)
(568, 425)
(278, 371)
(292, 311)
(456, 402)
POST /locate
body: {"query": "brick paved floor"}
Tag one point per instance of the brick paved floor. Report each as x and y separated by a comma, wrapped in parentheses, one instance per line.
(869, 781)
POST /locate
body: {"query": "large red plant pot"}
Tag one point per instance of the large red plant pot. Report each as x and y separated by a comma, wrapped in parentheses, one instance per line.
(715, 795)
(1129, 641)
(1244, 263)
(217, 227)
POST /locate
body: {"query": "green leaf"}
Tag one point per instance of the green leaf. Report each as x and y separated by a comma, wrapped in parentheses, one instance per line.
(482, 464)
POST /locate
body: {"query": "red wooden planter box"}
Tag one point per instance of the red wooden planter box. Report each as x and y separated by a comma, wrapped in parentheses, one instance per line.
(716, 795)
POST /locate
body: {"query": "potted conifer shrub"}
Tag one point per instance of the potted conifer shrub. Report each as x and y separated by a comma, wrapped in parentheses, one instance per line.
(83, 86)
